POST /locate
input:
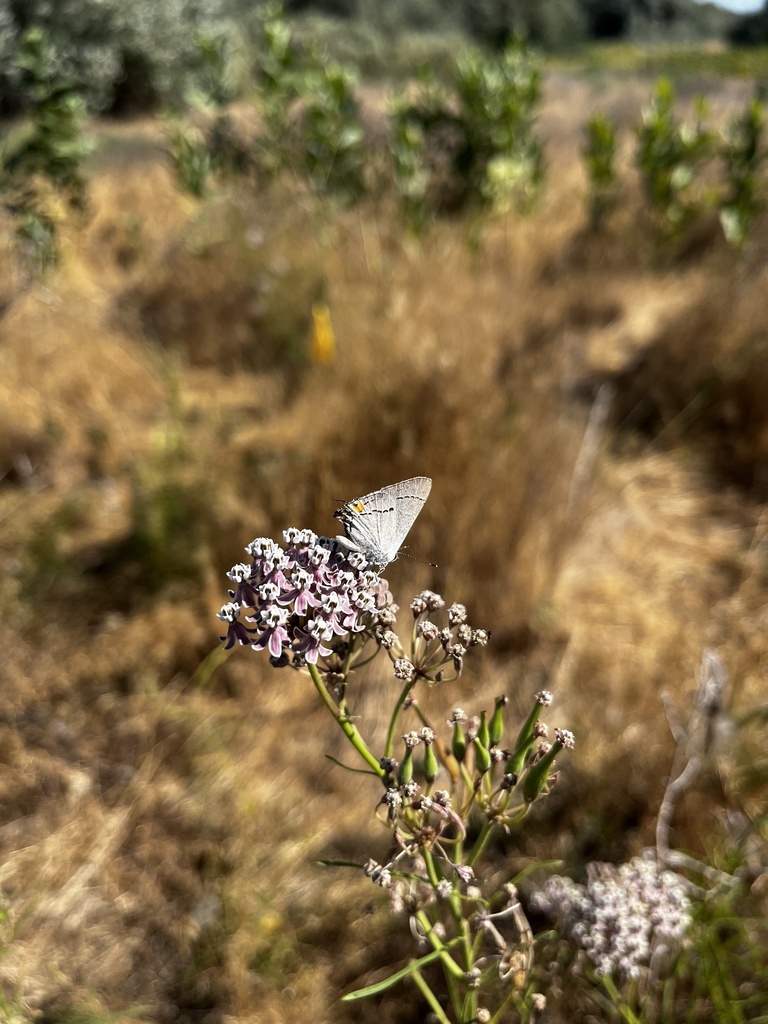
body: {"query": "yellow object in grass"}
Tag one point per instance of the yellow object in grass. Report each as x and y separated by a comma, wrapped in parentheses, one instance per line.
(322, 342)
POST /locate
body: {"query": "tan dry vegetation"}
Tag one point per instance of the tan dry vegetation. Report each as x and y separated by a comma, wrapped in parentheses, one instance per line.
(162, 812)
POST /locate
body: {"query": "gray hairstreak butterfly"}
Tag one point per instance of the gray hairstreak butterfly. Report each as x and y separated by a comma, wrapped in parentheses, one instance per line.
(377, 524)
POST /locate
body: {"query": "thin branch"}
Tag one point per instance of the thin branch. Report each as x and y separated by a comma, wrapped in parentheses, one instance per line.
(590, 445)
(693, 741)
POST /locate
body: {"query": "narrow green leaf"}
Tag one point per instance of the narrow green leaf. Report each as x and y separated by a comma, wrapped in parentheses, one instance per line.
(339, 864)
(382, 986)
(358, 771)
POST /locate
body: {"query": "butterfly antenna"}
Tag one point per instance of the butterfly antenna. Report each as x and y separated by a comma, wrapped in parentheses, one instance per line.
(413, 558)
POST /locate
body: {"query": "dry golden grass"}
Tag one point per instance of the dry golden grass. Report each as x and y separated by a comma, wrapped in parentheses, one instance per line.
(160, 820)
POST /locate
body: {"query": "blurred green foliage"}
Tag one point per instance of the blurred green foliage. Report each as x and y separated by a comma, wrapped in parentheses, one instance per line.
(54, 145)
(119, 54)
(310, 111)
(407, 145)
(466, 139)
(127, 55)
(669, 154)
(41, 167)
(600, 157)
(688, 169)
(676, 62)
(751, 30)
(499, 98)
(309, 119)
(332, 135)
(741, 154)
(208, 145)
(470, 142)
(277, 80)
(551, 24)
(190, 155)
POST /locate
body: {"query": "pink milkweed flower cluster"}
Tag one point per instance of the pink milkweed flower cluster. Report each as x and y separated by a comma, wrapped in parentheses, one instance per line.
(298, 601)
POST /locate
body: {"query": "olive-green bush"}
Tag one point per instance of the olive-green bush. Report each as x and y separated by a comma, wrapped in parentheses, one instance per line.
(120, 54)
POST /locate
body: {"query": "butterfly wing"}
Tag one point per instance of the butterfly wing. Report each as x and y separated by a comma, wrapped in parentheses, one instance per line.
(378, 523)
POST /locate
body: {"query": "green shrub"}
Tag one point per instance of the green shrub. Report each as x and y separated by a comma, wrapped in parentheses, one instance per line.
(55, 146)
(278, 85)
(740, 151)
(277, 58)
(499, 98)
(310, 111)
(190, 156)
(331, 133)
(216, 81)
(607, 19)
(208, 142)
(751, 30)
(309, 114)
(670, 156)
(471, 143)
(407, 143)
(118, 53)
(428, 143)
(353, 42)
(400, 17)
(42, 168)
(600, 157)
(550, 23)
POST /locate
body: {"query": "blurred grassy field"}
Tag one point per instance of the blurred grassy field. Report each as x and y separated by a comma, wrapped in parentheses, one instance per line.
(162, 809)
(706, 59)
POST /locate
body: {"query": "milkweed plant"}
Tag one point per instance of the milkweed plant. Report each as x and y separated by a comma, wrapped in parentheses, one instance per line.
(315, 605)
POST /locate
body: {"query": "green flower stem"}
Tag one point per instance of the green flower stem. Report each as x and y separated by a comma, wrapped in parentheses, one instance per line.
(353, 659)
(468, 784)
(469, 1011)
(498, 1017)
(414, 634)
(430, 997)
(455, 901)
(466, 938)
(500, 800)
(518, 815)
(466, 808)
(451, 968)
(348, 664)
(395, 715)
(457, 912)
(421, 716)
(480, 844)
(347, 726)
(502, 807)
(458, 850)
(429, 863)
(625, 1011)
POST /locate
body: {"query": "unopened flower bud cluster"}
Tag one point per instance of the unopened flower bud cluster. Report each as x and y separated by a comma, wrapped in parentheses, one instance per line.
(431, 646)
(622, 915)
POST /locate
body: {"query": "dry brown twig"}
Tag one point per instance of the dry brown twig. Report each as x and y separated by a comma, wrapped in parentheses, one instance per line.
(694, 743)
